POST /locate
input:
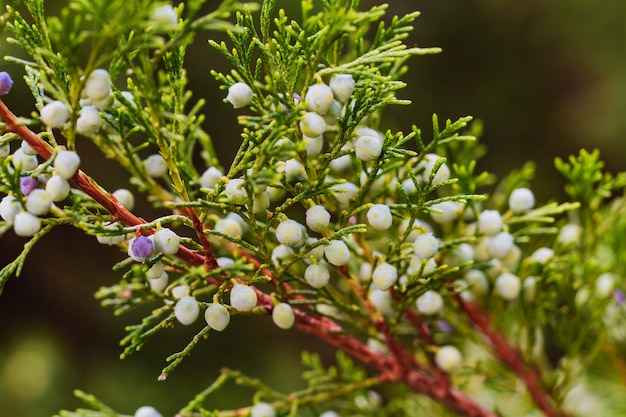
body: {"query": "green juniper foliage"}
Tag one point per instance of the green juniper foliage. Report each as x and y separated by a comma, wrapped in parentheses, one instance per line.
(441, 290)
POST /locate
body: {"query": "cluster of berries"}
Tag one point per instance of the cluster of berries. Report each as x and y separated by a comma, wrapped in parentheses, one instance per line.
(40, 187)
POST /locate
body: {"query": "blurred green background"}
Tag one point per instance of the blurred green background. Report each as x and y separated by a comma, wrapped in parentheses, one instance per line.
(545, 78)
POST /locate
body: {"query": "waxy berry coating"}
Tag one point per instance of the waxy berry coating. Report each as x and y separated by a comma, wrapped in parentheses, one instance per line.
(140, 248)
(217, 316)
(242, 297)
(239, 95)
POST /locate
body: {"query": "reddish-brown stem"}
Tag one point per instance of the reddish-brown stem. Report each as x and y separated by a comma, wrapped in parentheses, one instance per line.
(85, 183)
(512, 357)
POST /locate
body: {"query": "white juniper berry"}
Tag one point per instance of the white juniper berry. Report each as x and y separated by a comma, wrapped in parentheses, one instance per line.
(55, 114)
(26, 224)
(312, 124)
(240, 95)
(379, 217)
(342, 86)
(448, 358)
(217, 316)
(283, 316)
(319, 98)
(186, 310)
(242, 297)
(22, 161)
(66, 163)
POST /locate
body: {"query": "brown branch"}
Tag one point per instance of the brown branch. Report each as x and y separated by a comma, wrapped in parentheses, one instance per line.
(88, 185)
(511, 357)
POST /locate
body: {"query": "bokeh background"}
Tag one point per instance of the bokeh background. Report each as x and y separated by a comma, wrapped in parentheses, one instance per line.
(545, 78)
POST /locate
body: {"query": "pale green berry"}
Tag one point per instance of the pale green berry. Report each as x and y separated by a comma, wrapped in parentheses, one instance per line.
(382, 301)
(317, 252)
(337, 253)
(166, 241)
(569, 234)
(312, 124)
(38, 202)
(521, 200)
(210, 178)
(604, 284)
(542, 255)
(66, 163)
(89, 122)
(263, 410)
(341, 164)
(164, 17)
(55, 114)
(9, 208)
(512, 258)
(445, 212)
(429, 303)
(261, 202)
(344, 192)
(294, 170)
(5, 150)
(428, 164)
(217, 316)
(155, 270)
(319, 98)
(342, 86)
(280, 254)
(530, 288)
(313, 145)
(500, 245)
(26, 224)
(229, 227)
(379, 217)
(290, 233)
(147, 411)
(236, 191)
(317, 275)
(508, 286)
(27, 149)
(125, 198)
(240, 95)
(317, 218)
(425, 246)
(57, 188)
(384, 276)
(112, 239)
(180, 291)
(477, 281)
(283, 316)
(489, 222)
(155, 166)
(243, 297)
(186, 310)
(98, 85)
(160, 283)
(448, 358)
(368, 148)
(23, 162)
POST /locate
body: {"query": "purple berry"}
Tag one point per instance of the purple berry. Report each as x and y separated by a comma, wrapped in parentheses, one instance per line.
(6, 82)
(444, 326)
(28, 184)
(142, 247)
